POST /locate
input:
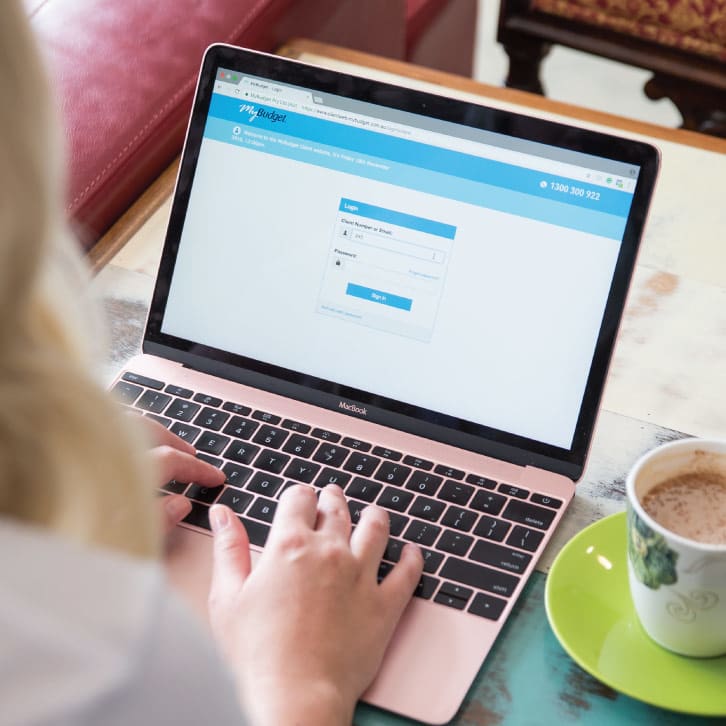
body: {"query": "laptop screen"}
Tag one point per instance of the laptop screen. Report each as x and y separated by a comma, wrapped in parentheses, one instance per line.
(409, 260)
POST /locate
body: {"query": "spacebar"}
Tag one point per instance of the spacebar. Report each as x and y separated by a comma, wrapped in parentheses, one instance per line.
(483, 578)
(256, 531)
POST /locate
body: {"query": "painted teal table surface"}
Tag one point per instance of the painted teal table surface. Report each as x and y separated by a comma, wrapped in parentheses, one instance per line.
(529, 680)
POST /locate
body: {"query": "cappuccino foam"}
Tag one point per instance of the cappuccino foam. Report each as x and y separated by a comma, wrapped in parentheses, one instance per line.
(692, 505)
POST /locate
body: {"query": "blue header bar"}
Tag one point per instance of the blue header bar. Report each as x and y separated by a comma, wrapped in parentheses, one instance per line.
(453, 163)
(448, 231)
(412, 177)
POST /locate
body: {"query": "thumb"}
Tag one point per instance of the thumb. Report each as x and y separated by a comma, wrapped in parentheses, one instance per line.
(232, 562)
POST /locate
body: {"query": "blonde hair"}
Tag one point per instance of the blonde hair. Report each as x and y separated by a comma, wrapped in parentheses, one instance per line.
(70, 460)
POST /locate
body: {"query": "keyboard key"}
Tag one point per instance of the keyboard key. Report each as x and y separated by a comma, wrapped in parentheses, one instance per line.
(488, 502)
(185, 431)
(364, 489)
(332, 476)
(241, 428)
(362, 464)
(326, 435)
(273, 461)
(237, 408)
(301, 470)
(525, 513)
(452, 602)
(211, 418)
(422, 533)
(385, 453)
(207, 400)
(424, 483)
(481, 481)
(397, 523)
(179, 391)
(356, 444)
(513, 491)
(330, 455)
(263, 509)
(449, 472)
(213, 460)
(236, 475)
(300, 445)
(291, 425)
(241, 451)
(502, 557)
(546, 501)
(126, 393)
(383, 569)
(265, 417)
(455, 492)
(393, 498)
(461, 519)
(271, 437)
(356, 509)
(256, 531)
(175, 487)
(236, 500)
(203, 494)
(142, 380)
(161, 419)
(393, 550)
(525, 539)
(454, 543)
(212, 443)
(182, 410)
(392, 473)
(266, 484)
(492, 528)
(487, 606)
(479, 576)
(418, 463)
(454, 590)
(153, 401)
(426, 508)
(432, 559)
(199, 516)
(426, 587)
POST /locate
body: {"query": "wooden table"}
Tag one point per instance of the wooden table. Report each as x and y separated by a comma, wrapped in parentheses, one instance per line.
(667, 379)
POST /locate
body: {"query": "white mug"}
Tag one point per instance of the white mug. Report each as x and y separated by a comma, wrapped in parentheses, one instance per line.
(678, 585)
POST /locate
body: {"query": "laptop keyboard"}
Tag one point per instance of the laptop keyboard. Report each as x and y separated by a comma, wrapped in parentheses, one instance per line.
(477, 535)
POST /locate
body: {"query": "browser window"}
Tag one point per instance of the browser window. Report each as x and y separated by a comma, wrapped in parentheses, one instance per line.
(400, 255)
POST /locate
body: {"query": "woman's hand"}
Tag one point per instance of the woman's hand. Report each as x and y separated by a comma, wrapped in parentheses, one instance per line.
(306, 630)
(174, 458)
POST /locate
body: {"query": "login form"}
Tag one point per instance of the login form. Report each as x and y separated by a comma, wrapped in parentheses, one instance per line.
(386, 269)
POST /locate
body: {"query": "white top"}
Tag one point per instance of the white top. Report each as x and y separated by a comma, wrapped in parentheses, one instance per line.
(95, 637)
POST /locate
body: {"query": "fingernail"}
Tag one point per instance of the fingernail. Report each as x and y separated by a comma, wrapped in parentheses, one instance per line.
(178, 507)
(218, 518)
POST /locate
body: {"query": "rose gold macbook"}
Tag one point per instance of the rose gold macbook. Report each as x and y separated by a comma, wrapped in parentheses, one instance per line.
(408, 295)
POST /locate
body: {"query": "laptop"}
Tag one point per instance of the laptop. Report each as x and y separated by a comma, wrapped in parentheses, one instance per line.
(411, 296)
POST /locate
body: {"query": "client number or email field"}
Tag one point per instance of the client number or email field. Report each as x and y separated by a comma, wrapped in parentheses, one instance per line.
(386, 269)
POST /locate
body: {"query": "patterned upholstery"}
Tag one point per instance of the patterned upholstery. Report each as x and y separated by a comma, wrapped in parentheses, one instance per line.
(696, 26)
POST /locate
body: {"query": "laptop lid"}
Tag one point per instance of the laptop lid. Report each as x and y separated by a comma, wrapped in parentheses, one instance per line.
(440, 267)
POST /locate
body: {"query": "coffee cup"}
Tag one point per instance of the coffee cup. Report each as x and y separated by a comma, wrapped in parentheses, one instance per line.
(676, 502)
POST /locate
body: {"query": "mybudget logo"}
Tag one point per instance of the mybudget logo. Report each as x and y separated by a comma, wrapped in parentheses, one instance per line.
(353, 408)
(255, 112)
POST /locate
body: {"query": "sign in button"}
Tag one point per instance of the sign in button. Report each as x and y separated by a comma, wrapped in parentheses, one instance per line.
(383, 298)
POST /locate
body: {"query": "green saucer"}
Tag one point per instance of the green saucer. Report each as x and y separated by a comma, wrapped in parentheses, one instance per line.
(589, 608)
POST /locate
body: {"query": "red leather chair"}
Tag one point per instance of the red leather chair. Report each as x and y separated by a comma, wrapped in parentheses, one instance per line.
(124, 72)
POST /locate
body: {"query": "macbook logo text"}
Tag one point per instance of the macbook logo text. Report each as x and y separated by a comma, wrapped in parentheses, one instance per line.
(353, 408)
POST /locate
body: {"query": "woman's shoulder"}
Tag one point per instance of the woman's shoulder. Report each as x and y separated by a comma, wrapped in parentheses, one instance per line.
(85, 630)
